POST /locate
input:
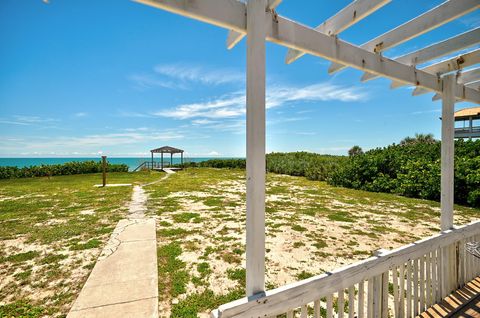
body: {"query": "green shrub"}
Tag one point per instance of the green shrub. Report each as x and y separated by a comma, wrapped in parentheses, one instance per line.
(412, 169)
(69, 168)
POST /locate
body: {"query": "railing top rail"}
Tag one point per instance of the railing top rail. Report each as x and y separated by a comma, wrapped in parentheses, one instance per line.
(281, 299)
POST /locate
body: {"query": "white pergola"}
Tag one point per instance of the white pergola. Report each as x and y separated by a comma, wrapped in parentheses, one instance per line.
(258, 20)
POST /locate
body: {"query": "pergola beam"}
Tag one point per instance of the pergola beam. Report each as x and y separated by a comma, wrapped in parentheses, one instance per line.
(348, 16)
(473, 85)
(234, 36)
(439, 49)
(462, 78)
(445, 12)
(231, 14)
(449, 65)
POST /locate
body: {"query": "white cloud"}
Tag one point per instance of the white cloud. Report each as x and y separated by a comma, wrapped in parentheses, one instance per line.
(199, 74)
(213, 153)
(144, 81)
(24, 120)
(233, 105)
(80, 114)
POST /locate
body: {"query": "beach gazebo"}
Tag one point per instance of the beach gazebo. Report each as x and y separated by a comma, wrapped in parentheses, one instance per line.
(420, 274)
(470, 118)
(167, 150)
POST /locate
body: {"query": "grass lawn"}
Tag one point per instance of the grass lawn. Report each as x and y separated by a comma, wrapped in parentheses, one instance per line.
(311, 228)
(51, 232)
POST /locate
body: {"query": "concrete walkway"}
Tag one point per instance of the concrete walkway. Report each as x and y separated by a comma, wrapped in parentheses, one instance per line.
(124, 281)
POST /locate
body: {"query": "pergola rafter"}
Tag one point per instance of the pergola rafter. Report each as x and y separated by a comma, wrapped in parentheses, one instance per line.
(464, 77)
(258, 19)
(451, 64)
(231, 15)
(426, 54)
(445, 12)
(345, 18)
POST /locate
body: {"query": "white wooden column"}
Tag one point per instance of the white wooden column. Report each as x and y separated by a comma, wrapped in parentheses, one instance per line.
(255, 249)
(447, 159)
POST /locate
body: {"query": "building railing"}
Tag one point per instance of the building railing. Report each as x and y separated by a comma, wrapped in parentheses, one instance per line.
(402, 283)
(467, 129)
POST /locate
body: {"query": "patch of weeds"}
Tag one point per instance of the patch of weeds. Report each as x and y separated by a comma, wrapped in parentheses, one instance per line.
(21, 309)
(172, 232)
(20, 257)
(165, 223)
(230, 257)
(298, 244)
(23, 275)
(52, 258)
(340, 217)
(304, 275)
(184, 217)
(360, 232)
(320, 244)
(238, 251)
(238, 275)
(196, 303)
(203, 269)
(172, 270)
(93, 243)
(299, 228)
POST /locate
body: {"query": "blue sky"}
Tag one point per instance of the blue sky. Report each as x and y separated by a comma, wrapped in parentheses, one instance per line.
(79, 78)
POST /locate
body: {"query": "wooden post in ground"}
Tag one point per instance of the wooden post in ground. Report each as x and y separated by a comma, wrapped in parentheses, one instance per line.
(181, 158)
(255, 249)
(447, 159)
(152, 159)
(104, 170)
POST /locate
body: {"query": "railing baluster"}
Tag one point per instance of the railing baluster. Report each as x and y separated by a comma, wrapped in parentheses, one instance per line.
(361, 299)
(409, 289)
(396, 302)
(436, 276)
(341, 303)
(304, 312)
(401, 274)
(290, 314)
(316, 309)
(422, 283)
(428, 266)
(461, 264)
(415, 287)
(351, 301)
(370, 298)
(384, 303)
(330, 306)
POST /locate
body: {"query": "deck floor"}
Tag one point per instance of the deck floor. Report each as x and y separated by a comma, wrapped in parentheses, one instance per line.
(463, 303)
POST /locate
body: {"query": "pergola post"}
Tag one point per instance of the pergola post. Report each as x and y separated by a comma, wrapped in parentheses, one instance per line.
(255, 249)
(447, 154)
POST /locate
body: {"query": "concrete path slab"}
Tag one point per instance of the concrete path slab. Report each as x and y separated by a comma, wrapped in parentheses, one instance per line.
(124, 281)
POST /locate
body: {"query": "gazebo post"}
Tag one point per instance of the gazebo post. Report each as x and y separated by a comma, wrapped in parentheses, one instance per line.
(255, 247)
(152, 158)
(161, 164)
(171, 159)
(181, 158)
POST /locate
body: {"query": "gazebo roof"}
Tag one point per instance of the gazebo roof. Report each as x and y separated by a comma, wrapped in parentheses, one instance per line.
(468, 112)
(166, 149)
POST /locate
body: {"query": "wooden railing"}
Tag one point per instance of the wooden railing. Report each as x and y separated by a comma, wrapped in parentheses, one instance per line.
(401, 283)
(152, 165)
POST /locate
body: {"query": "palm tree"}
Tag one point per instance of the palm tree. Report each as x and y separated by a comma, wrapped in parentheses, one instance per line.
(418, 139)
(355, 151)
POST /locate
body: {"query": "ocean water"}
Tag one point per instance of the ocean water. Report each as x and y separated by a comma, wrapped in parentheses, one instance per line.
(132, 163)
